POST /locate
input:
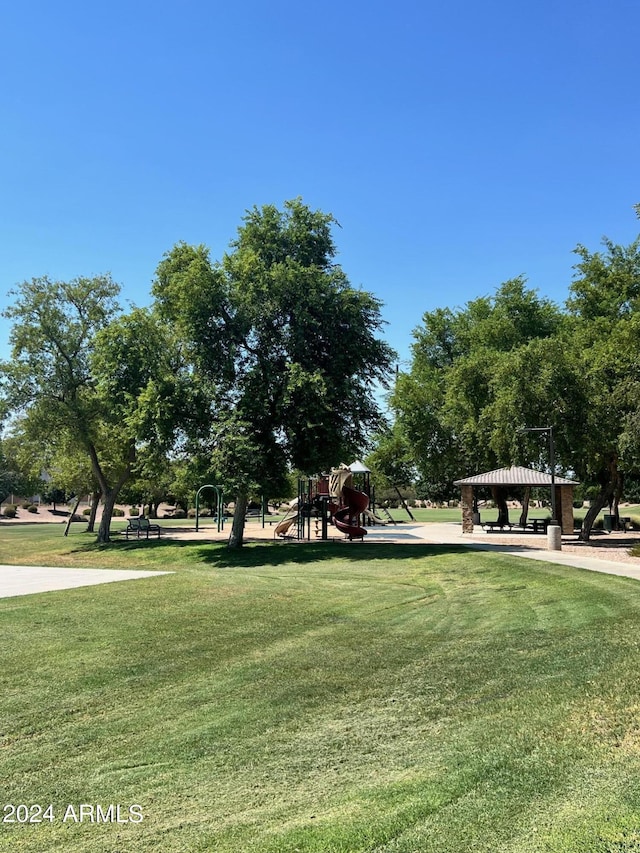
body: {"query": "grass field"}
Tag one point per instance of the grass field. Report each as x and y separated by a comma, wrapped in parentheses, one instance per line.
(320, 697)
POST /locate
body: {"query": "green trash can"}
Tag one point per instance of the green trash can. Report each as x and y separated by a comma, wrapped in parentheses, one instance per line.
(607, 522)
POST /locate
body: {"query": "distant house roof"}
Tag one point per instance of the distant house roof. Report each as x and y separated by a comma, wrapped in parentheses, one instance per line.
(514, 476)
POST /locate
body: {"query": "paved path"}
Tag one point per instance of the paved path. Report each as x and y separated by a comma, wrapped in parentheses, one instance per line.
(450, 534)
(24, 580)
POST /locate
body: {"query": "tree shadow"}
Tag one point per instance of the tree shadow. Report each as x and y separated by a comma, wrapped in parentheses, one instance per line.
(124, 545)
(301, 553)
(257, 554)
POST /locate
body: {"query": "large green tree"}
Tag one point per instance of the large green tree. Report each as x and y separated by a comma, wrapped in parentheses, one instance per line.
(57, 457)
(16, 477)
(604, 324)
(470, 368)
(481, 373)
(81, 368)
(284, 349)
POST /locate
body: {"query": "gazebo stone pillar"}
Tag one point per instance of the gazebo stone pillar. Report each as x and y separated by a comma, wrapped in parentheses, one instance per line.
(466, 504)
(564, 505)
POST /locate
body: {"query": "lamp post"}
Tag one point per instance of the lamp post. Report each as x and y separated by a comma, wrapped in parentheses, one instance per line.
(552, 463)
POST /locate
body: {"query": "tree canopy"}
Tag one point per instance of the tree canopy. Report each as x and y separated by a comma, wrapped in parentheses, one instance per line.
(281, 346)
(481, 373)
(86, 377)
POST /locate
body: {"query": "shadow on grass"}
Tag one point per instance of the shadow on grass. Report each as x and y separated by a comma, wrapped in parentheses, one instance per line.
(277, 554)
(117, 546)
(258, 554)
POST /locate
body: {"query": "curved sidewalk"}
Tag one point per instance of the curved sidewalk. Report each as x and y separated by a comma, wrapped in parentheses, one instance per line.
(25, 580)
(450, 534)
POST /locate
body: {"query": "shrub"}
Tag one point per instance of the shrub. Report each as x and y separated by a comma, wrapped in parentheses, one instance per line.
(86, 510)
(10, 511)
(117, 512)
(134, 511)
(190, 514)
(32, 508)
(179, 513)
(25, 504)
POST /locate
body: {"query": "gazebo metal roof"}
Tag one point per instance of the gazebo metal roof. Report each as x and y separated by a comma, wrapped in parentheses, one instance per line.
(514, 476)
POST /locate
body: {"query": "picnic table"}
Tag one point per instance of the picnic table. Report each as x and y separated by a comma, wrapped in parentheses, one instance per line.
(490, 526)
(536, 525)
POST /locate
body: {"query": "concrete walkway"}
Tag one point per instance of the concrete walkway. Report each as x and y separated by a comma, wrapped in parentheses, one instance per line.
(451, 534)
(25, 580)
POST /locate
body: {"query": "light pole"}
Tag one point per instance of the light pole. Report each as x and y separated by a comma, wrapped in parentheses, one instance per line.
(552, 463)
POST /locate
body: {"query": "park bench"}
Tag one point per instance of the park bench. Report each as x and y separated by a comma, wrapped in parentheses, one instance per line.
(141, 527)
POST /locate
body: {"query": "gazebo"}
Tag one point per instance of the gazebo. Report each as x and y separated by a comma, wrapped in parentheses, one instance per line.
(519, 476)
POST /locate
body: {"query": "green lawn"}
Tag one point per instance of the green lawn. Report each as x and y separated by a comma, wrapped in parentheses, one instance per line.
(321, 697)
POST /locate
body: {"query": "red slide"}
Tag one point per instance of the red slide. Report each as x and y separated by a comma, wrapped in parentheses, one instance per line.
(346, 518)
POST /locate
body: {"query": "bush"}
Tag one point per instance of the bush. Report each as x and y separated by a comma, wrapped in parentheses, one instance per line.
(32, 508)
(117, 512)
(179, 513)
(134, 511)
(190, 514)
(25, 504)
(10, 511)
(86, 510)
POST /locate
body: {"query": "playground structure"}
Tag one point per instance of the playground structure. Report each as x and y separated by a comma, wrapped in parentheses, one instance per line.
(347, 518)
(331, 499)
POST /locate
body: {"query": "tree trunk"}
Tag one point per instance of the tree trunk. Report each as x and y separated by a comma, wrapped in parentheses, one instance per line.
(617, 496)
(109, 494)
(95, 503)
(525, 506)
(71, 514)
(107, 512)
(611, 484)
(237, 528)
(592, 513)
(500, 497)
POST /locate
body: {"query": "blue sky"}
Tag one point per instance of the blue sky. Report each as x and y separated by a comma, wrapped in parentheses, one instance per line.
(458, 144)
